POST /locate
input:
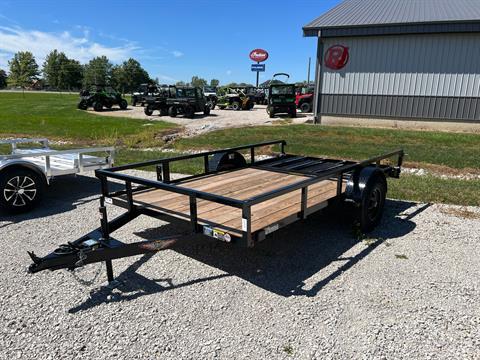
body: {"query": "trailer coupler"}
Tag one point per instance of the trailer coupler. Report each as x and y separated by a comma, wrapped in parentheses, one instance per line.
(90, 249)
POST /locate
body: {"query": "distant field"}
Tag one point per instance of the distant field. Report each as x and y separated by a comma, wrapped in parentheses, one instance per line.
(56, 116)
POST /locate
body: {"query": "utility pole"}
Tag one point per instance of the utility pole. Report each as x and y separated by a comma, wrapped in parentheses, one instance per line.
(308, 71)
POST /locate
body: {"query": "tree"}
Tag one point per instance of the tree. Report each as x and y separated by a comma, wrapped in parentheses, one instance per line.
(198, 82)
(214, 82)
(23, 69)
(180, 83)
(3, 79)
(98, 72)
(128, 76)
(60, 72)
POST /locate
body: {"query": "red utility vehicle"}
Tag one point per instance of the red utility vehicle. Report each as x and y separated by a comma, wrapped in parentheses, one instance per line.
(304, 99)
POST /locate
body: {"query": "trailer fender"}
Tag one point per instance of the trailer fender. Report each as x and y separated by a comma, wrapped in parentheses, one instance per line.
(358, 182)
(26, 165)
(226, 161)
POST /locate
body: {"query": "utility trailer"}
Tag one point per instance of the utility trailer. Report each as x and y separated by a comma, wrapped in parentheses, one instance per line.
(25, 172)
(236, 200)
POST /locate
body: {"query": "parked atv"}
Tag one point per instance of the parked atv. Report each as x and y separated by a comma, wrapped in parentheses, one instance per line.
(282, 100)
(100, 97)
(144, 91)
(235, 100)
(304, 99)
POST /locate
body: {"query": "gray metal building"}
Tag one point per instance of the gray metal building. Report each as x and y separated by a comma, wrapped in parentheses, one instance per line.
(399, 59)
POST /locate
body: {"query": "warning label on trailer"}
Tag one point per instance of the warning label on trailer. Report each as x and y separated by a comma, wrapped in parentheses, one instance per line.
(217, 234)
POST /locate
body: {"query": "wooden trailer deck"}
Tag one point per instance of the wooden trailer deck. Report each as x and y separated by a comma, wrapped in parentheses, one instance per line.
(242, 185)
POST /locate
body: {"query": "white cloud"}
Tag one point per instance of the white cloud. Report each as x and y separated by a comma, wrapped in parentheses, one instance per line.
(167, 78)
(177, 53)
(41, 43)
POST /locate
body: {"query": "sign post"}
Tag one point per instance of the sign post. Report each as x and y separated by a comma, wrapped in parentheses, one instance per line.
(258, 55)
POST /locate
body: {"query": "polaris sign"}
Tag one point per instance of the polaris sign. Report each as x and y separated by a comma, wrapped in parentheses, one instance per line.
(258, 55)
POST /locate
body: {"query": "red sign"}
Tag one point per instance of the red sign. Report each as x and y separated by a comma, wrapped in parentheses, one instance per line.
(258, 55)
(336, 57)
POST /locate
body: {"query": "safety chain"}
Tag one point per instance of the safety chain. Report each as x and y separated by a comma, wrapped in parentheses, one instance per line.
(79, 264)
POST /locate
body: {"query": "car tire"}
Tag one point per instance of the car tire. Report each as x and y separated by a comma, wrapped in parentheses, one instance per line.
(97, 106)
(123, 104)
(305, 107)
(373, 201)
(172, 111)
(21, 189)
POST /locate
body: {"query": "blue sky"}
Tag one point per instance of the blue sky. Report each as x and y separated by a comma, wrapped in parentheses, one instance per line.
(173, 40)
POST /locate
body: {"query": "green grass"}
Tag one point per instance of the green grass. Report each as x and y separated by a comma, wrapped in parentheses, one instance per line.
(435, 190)
(56, 116)
(440, 148)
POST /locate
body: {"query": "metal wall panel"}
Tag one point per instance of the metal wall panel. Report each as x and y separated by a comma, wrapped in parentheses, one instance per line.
(414, 107)
(443, 65)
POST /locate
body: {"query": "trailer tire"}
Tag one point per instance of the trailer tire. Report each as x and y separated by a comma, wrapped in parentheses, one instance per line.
(372, 203)
(97, 106)
(172, 111)
(21, 189)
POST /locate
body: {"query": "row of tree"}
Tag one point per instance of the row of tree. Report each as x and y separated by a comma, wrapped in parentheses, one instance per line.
(62, 73)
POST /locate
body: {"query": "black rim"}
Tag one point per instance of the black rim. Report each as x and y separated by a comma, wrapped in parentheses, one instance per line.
(373, 205)
(20, 191)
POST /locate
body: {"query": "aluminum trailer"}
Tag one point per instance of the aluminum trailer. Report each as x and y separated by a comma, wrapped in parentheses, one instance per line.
(25, 172)
(234, 200)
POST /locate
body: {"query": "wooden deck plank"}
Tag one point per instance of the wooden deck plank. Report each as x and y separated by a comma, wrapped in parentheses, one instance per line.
(241, 184)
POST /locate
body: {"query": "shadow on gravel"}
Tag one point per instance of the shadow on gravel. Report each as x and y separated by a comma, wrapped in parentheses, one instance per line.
(64, 194)
(280, 264)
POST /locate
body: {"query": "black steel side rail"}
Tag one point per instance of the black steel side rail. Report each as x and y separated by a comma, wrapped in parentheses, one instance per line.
(252, 147)
(323, 176)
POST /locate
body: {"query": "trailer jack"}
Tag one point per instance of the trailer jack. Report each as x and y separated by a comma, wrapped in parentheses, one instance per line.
(94, 248)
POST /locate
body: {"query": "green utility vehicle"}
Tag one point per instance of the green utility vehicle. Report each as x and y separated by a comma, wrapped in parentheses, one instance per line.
(281, 99)
(235, 100)
(99, 97)
(179, 100)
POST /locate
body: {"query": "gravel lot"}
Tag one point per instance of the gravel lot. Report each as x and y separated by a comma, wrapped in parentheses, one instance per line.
(311, 291)
(218, 119)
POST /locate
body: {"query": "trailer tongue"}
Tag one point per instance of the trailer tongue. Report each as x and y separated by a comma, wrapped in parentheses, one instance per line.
(234, 199)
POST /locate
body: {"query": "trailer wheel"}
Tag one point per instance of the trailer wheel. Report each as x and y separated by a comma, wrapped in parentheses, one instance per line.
(148, 110)
(172, 111)
(123, 104)
(20, 189)
(305, 107)
(372, 203)
(97, 106)
(236, 105)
